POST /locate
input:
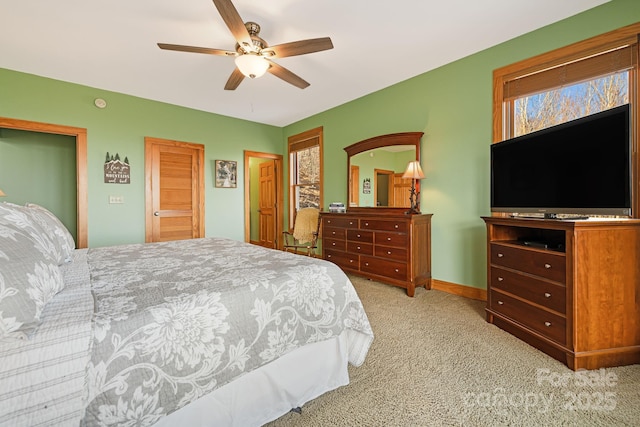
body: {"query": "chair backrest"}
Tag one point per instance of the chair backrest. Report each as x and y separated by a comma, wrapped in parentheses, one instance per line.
(306, 225)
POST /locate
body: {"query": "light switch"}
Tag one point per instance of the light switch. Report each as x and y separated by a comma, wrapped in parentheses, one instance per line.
(116, 199)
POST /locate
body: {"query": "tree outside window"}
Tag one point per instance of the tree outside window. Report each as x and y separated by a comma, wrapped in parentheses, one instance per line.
(305, 171)
(550, 108)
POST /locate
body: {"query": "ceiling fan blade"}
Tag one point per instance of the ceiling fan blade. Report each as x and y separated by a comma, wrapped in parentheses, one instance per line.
(300, 47)
(232, 18)
(195, 49)
(235, 79)
(286, 75)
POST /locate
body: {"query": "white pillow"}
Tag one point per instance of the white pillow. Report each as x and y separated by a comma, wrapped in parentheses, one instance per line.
(55, 229)
(29, 274)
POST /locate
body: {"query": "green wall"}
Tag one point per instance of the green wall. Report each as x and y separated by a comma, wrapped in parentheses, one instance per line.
(452, 105)
(121, 128)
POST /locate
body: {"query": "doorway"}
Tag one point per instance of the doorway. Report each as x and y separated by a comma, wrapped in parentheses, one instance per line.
(383, 187)
(263, 199)
(82, 192)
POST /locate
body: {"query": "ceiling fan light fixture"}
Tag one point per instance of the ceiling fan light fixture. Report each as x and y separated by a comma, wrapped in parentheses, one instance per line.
(252, 65)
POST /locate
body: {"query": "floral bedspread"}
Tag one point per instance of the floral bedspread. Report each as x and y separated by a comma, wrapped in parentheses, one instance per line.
(175, 320)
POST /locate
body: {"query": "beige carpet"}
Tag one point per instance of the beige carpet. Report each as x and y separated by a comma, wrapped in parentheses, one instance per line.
(436, 362)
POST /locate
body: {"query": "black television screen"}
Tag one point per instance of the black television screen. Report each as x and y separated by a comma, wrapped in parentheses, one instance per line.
(579, 167)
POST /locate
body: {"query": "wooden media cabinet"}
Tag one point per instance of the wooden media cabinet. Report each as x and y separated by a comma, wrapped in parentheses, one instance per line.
(568, 288)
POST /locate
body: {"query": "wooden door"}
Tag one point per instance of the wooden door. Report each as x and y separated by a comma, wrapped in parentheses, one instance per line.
(267, 204)
(174, 190)
(354, 186)
(401, 191)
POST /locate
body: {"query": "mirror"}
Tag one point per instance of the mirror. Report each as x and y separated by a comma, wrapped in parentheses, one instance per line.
(375, 167)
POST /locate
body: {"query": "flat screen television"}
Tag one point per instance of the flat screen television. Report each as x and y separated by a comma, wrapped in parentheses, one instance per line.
(580, 167)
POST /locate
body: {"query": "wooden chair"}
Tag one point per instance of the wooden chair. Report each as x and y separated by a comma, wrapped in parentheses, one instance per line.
(305, 232)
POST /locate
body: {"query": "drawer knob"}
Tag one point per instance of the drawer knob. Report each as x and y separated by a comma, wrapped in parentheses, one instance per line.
(350, 260)
(388, 238)
(358, 247)
(350, 222)
(333, 232)
(328, 221)
(396, 226)
(358, 236)
(366, 223)
(500, 303)
(333, 243)
(397, 270)
(547, 324)
(367, 264)
(388, 252)
(547, 295)
(500, 255)
(547, 266)
(328, 256)
(500, 279)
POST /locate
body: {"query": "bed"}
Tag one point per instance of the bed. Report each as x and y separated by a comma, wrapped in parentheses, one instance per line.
(197, 332)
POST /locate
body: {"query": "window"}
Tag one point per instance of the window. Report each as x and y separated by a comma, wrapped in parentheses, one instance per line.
(305, 171)
(568, 83)
(552, 107)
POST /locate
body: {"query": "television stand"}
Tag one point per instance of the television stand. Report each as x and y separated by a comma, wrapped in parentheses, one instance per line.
(575, 299)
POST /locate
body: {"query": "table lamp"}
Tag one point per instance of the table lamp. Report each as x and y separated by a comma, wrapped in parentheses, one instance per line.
(413, 172)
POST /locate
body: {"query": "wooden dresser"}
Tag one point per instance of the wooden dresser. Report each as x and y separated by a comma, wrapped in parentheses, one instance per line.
(383, 244)
(568, 288)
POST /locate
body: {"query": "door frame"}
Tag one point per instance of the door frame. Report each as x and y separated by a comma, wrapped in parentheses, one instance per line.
(82, 188)
(279, 194)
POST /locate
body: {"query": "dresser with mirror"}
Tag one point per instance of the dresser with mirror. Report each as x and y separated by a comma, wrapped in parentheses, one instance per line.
(376, 237)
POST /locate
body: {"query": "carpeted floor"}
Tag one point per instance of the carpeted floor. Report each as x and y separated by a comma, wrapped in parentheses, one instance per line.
(436, 362)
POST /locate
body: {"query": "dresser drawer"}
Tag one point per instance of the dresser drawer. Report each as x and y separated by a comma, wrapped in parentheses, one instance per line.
(544, 293)
(391, 269)
(360, 236)
(341, 222)
(384, 225)
(342, 259)
(398, 254)
(336, 244)
(359, 248)
(546, 323)
(546, 264)
(391, 239)
(334, 233)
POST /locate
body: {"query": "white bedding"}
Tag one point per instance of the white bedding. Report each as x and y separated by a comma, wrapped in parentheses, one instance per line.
(267, 393)
(42, 380)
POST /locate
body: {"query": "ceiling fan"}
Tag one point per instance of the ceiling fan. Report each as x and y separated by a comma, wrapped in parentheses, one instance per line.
(253, 56)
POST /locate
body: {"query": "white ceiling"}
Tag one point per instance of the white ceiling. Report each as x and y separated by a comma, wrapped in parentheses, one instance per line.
(112, 45)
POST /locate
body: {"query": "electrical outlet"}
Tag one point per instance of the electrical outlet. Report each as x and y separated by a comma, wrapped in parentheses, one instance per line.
(116, 199)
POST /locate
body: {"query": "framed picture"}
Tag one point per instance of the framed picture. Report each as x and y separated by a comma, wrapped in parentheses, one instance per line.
(226, 173)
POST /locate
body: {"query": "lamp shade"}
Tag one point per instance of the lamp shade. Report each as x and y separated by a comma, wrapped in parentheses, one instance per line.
(2, 193)
(414, 171)
(252, 65)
